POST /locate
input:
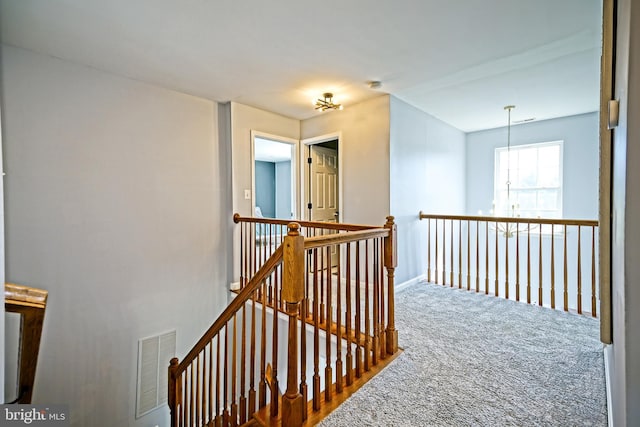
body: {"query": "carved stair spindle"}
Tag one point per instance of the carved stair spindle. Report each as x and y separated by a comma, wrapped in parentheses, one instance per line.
(316, 335)
(367, 319)
(553, 270)
(564, 271)
(339, 368)
(328, 373)
(358, 317)
(579, 272)
(347, 320)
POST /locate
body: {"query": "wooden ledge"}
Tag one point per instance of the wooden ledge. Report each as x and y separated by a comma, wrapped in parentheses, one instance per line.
(19, 295)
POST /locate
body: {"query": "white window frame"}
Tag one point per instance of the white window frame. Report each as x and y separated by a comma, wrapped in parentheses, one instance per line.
(496, 173)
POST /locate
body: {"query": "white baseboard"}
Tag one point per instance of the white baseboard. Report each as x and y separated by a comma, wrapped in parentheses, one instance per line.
(409, 282)
(607, 380)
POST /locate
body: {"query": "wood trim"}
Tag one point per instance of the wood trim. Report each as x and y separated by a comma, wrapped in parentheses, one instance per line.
(30, 303)
(581, 222)
(237, 218)
(340, 238)
(604, 231)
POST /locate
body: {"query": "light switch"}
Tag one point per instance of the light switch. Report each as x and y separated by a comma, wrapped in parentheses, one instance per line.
(247, 194)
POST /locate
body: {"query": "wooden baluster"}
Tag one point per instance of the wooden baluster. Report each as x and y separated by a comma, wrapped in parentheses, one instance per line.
(234, 353)
(252, 359)
(436, 260)
(323, 273)
(376, 301)
(218, 395)
(593, 271)
(198, 397)
(211, 395)
(579, 272)
(540, 266)
(553, 270)
(262, 387)
(506, 260)
(274, 355)
(191, 394)
(459, 253)
(339, 367)
(293, 405)
(367, 308)
(477, 256)
(254, 252)
(358, 317)
(468, 254)
(564, 270)
(243, 367)
(390, 263)
(444, 252)
(517, 261)
(348, 329)
(429, 250)
(451, 256)
(381, 306)
(496, 290)
(225, 377)
(303, 336)
(243, 248)
(528, 263)
(328, 373)
(316, 335)
(486, 258)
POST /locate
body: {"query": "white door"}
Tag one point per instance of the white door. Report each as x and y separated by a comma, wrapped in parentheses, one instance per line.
(324, 184)
(324, 188)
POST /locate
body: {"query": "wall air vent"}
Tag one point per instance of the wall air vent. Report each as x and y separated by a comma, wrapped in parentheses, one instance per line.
(154, 354)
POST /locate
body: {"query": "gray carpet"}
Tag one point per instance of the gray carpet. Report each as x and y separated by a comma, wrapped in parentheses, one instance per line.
(476, 360)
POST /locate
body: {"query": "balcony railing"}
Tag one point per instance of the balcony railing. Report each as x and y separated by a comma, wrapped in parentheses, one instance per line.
(548, 262)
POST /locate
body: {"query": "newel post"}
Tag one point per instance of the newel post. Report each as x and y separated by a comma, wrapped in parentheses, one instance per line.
(174, 391)
(293, 405)
(390, 263)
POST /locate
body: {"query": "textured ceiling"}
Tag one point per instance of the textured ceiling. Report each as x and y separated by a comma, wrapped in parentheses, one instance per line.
(460, 61)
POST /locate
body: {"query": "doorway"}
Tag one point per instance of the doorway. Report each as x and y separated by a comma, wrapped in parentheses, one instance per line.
(321, 178)
(274, 175)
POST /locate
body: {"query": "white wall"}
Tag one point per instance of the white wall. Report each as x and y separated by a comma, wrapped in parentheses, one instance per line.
(116, 204)
(427, 173)
(365, 157)
(580, 166)
(244, 119)
(622, 355)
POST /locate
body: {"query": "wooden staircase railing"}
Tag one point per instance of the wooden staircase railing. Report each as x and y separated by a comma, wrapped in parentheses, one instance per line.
(31, 304)
(335, 293)
(547, 262)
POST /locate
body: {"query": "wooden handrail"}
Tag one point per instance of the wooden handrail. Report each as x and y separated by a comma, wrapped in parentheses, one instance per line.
(237, 303)
(480, 218)
(560, 264)
(231, 374)
(317, 224)
(340, 238)
(31, 304)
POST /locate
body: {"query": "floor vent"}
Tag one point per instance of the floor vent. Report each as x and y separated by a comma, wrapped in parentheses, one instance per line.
(154, 354)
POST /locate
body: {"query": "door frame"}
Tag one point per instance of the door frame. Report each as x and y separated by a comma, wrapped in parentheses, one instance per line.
(304, 197)
(295, 174)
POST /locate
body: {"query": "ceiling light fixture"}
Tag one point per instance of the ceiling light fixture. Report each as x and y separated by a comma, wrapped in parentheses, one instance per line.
(327, 103)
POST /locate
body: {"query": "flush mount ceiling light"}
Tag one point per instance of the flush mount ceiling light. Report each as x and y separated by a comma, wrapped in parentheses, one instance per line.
(326, 103)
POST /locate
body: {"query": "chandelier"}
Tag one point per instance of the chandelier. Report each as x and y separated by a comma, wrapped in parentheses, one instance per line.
(327, 103)
(508, 229)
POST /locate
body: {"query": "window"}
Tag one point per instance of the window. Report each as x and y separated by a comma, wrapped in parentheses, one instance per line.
(535, 175)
